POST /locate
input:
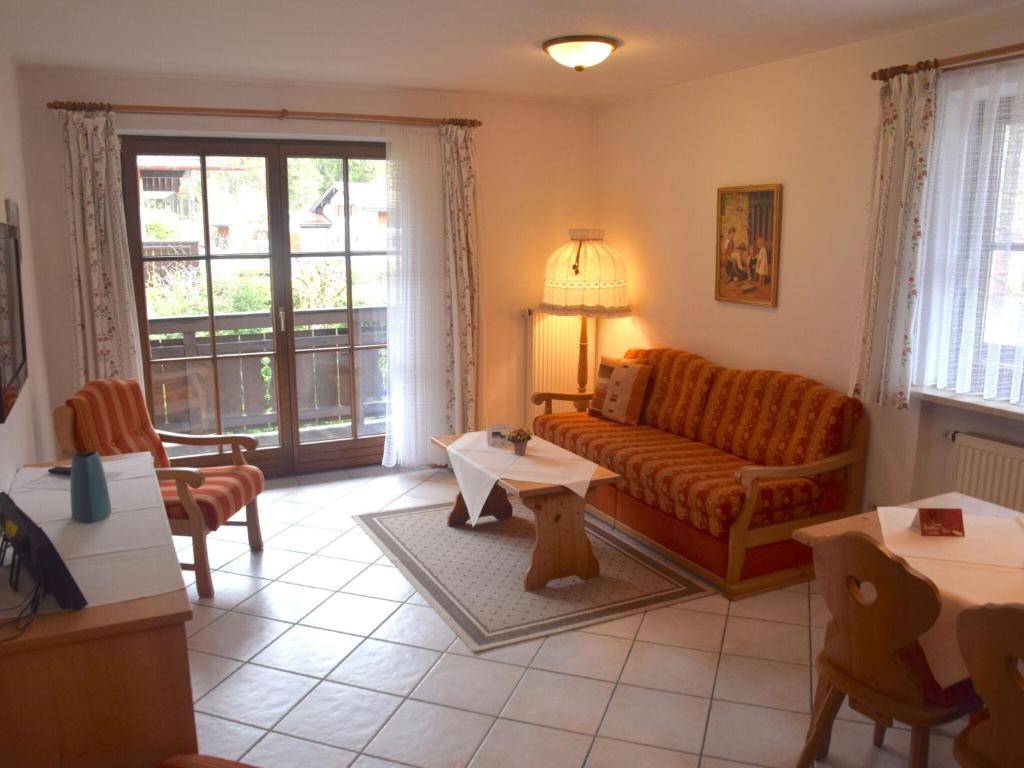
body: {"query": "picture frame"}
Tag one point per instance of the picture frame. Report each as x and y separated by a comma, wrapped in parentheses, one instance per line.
(13, 350)
(747, 254)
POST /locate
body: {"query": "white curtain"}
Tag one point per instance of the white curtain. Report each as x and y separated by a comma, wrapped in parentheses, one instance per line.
(105, 337)
(461, 256)
(888, 328)
(972, 283)
(418, 325)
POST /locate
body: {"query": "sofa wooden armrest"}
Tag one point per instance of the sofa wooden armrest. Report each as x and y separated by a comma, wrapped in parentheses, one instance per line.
(546, 399)
(237, 442)
(746, 476)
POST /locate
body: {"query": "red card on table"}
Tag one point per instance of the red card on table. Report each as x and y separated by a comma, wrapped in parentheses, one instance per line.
(936, 521)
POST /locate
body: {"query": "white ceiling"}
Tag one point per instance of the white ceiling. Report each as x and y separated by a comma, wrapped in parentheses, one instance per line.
(472, 45)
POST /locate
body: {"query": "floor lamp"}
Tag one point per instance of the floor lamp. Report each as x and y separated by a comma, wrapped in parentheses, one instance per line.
(585, 277)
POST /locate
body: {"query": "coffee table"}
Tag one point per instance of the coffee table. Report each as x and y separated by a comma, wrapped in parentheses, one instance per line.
(561, 547)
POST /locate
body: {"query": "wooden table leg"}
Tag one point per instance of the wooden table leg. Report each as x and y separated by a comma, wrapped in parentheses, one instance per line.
(562, 547)
(497, 505)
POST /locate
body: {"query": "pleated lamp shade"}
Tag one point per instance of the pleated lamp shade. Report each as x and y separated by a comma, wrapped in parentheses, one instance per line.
(585, 276)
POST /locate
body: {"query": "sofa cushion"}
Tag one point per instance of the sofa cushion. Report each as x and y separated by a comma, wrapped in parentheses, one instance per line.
(681, 477)
(777, 419)
(680, 383)
(111, 418)
(621, 390)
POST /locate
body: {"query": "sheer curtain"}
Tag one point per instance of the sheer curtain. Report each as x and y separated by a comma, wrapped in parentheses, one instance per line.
(972, 286)
(105, 337)
(888, 328)
(418, 326)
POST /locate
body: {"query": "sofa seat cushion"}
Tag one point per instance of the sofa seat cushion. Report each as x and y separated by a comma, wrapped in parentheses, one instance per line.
(684, 478)
(224, 491)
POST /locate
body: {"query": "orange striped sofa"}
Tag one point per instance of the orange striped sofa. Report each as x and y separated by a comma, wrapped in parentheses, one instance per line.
(724, 465)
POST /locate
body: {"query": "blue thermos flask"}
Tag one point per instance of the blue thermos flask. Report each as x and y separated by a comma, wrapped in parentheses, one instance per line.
(90, 500)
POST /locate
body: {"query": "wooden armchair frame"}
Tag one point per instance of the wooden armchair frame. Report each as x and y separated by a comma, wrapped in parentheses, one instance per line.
(185, 479)
(742, 537)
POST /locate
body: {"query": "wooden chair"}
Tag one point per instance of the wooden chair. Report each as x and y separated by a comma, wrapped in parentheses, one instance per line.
(109, 416)
(880, 607)
(992, 644)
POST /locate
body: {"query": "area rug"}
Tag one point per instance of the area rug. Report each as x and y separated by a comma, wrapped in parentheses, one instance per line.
(473, 577)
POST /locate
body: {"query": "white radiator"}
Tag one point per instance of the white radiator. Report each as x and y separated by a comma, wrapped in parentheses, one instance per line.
(989, 470)
(552, 357)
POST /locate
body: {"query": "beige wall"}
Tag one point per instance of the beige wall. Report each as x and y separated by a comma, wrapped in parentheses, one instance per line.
(27, 434)
(809, 124)
(534, 166)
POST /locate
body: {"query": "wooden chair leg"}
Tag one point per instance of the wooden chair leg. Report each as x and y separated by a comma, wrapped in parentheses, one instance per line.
(252, 525)
(879, 736)
(919, 736)
(204, 579)
(827, 702)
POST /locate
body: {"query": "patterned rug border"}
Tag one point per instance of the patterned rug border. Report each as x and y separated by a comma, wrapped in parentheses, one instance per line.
(476, 637)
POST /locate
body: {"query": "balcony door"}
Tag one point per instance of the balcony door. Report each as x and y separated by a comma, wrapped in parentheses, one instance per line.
(260, 277)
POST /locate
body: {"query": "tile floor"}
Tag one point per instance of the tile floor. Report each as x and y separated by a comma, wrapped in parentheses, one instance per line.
(318, 652)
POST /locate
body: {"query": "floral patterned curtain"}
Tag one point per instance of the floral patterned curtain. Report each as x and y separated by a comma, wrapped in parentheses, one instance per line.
(888, 330)
(458, 156)
(105, 337)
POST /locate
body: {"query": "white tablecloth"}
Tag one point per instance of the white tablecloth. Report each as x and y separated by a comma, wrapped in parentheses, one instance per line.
(953, 565)
(478, 466)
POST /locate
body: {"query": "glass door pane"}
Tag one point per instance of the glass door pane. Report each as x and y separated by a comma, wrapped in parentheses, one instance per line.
(337, 214)
(208, 301)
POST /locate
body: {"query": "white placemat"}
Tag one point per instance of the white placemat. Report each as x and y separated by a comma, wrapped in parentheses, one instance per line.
(478, 466)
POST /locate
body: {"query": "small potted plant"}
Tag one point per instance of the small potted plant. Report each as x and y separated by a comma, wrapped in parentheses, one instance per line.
(519, 438)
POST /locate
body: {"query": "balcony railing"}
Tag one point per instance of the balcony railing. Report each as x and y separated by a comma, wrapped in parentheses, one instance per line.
(183, 386)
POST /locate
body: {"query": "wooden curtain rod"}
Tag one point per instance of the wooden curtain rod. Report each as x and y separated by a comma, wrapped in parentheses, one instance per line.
(279, 114)
(992, 55)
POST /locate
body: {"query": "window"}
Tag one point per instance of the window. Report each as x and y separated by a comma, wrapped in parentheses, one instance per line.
(972, 277)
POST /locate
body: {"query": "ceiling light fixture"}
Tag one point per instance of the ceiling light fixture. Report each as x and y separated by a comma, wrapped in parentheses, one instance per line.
(580, 51)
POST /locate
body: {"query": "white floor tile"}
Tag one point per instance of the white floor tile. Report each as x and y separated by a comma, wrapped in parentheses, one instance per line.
(767, 640)
(687, 629)
(302, 538)
(229, 589)
(354, 545)
(218, 552)
(224, 738)
(559, 701)
(779, 605)
(266, 564)
(430, 736)
(365, 761)
(608, 753)
(256, 695)
(385, 667)
(820, 614)
(207, 671)
(276, 750)
(520, 745)
(852, 747)
(339, 715)
(580, 653)
(381, 581)
(669, 668)
(354, 614)
(324, 572)
(657, 718)
(757, 735)
(517, 653)
(332, 518)
(468, 683)
(308, 650)
(283, 601)
(710, 604)
(237, 636)
(201, 616)
(416, 625)
(765, 683)
(626, 627)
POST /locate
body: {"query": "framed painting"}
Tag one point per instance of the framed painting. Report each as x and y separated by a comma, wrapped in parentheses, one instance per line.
(747, 247)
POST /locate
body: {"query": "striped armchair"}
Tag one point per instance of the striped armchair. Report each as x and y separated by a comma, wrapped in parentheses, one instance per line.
(109, 416)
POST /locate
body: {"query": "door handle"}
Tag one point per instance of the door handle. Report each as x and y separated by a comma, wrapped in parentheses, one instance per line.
(280, 318)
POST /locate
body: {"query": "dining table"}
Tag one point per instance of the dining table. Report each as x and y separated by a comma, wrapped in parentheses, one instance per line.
(991, 569)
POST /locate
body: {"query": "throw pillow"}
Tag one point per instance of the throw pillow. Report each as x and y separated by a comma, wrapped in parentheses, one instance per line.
(620, 391)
